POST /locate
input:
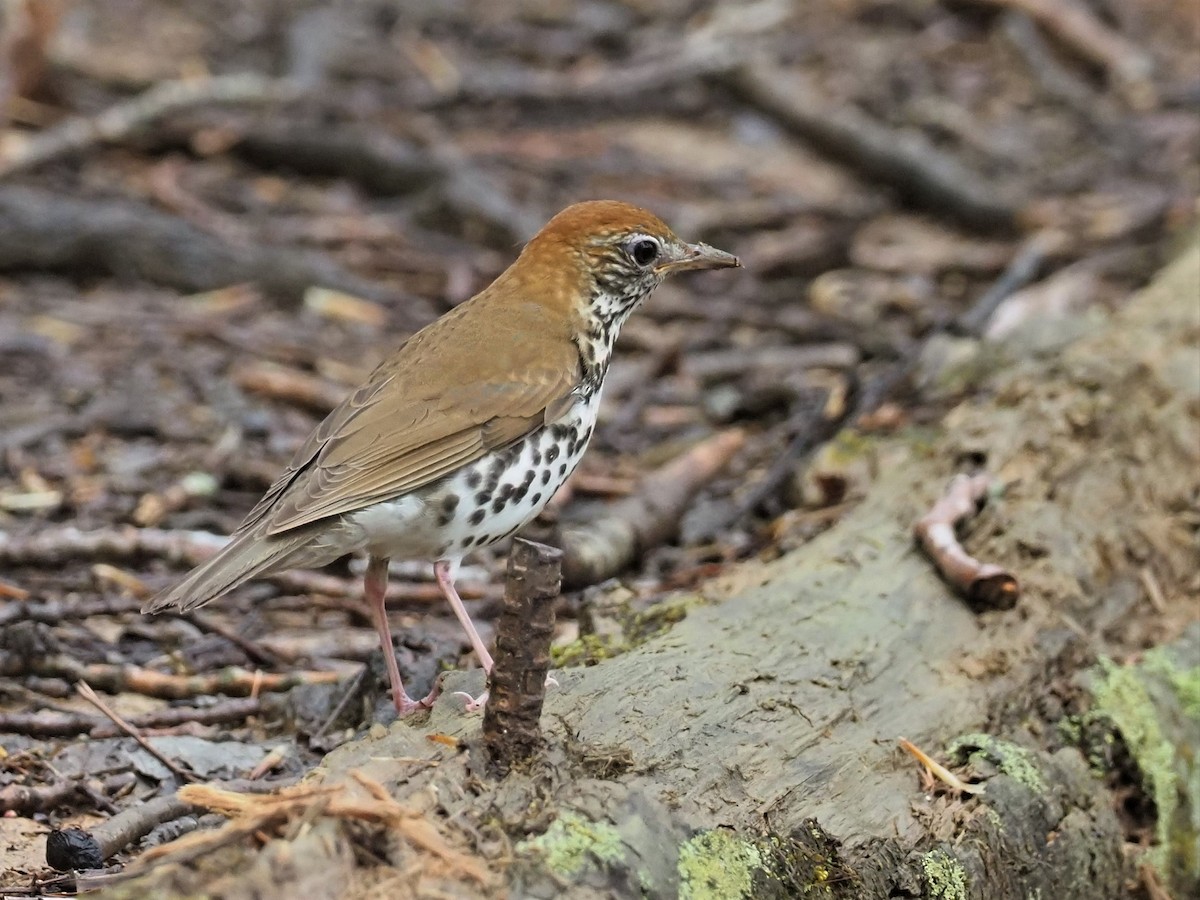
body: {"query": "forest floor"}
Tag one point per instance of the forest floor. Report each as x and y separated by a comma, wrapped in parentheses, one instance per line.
(215, 223)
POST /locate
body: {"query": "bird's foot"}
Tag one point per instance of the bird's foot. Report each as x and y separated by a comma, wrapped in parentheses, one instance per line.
(406, 704)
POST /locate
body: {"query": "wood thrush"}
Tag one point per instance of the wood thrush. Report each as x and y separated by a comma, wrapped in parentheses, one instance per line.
(464, 434)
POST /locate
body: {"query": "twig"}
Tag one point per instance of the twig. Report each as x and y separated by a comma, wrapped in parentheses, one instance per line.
(904, 159)
(123, 119)
(1022, 270)
(351, 690)
(112, 678)
(110, 837)
(23, 799)
(809, 427)
(254, 651)
(984, 585)
(936, 769)
(46, 230)
(289, 385)
(182, 772)
(720, 365)
(1129, 67)
(1055, 78)
(634, 525)
(517, 685)
(251, 814)
(57, 723)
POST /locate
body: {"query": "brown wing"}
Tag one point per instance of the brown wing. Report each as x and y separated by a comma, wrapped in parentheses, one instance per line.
(451, 394)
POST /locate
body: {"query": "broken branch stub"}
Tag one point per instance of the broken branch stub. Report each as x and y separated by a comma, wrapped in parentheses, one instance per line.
(511, 730)
(984, 585)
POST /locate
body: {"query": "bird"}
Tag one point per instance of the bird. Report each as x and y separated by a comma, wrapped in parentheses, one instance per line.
(461, 436)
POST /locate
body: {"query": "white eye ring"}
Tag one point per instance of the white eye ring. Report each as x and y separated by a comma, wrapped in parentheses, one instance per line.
(643, 250)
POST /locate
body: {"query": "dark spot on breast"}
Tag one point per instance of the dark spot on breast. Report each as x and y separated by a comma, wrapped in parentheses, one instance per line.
(545, 476)
(483, 498)
(552, 453)
(537, 498)
(477, 516)
(473, 478)
(523, 489)
(506, 491)
(535, 456)
(500, 503)
(562, 469)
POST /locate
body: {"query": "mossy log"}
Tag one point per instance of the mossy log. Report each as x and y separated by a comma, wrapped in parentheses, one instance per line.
(751, 750)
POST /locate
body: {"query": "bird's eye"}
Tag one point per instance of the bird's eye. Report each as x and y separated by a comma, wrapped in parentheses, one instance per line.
(644, 251)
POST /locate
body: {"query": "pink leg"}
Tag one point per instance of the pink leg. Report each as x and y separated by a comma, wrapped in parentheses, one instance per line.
(375, 587)
(444, 573)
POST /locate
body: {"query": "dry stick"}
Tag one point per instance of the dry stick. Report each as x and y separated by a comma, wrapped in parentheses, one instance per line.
(62, 724)
(255, 814)
(57, 545)
(182, 772)
(122, 120)
(903, 158)
(253, 651)
(1022, 270)
(49, 230)
(113, 678)
(984, 585)
(1129, 67)
(613, 541)
(936, 770)
(113, 835)
(511, 719)
(22, 799)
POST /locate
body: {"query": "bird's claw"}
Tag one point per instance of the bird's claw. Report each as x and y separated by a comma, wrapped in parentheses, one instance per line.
(474, 704)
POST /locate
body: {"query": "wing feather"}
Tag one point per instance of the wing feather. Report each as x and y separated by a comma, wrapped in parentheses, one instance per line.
(440, 403)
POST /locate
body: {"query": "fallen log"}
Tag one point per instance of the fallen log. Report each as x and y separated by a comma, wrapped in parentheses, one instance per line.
(753, 750)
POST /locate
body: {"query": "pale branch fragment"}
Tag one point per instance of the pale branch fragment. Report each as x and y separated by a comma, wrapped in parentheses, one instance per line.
(289, 385)
(111, 678)
(50, 231)
(935, 769)
(54, 546)
(253, 814)
(650, 517)
(517, 684)
(56, 723)
(123, 119)
(1076, 26)
(902, 158)
(984, 585)
(22, 799)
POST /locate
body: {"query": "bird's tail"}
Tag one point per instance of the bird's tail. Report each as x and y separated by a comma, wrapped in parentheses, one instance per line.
(247, 555)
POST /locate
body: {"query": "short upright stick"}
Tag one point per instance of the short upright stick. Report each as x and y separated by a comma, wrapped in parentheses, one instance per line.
(511, 730)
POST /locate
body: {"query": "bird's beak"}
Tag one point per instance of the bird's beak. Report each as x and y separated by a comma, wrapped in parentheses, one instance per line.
(697, 256)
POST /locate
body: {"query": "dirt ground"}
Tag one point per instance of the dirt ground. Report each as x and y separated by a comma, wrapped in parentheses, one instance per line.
(921, 194)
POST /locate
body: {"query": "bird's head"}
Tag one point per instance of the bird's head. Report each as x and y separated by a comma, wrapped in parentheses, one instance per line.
(604, 257)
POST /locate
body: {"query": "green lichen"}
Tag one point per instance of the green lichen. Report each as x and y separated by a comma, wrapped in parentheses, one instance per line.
(945, 878)
(1184, 681)
(635, 629)
(573, 842)
(1015, 762)
(717, 865)
(1121, 695)
(586, 650)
